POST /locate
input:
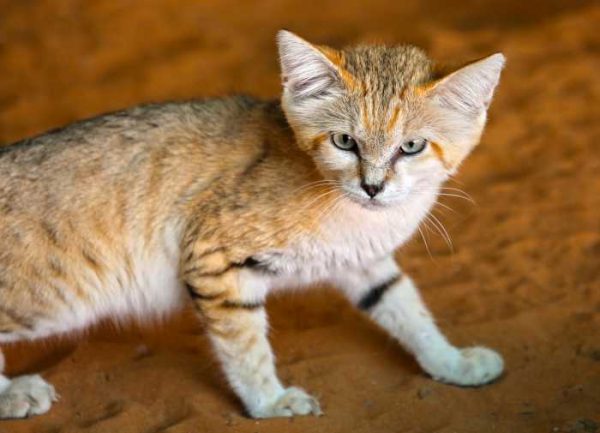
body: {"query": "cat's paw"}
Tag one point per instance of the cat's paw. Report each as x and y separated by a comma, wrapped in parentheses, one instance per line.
(26, 396)
(294, 401)
(474, 366)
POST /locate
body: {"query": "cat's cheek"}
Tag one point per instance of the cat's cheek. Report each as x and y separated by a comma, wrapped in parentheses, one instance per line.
(404, 174)
(338, 166)
(428, 168)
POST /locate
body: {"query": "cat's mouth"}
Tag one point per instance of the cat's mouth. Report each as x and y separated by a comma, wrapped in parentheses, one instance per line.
(367, 203)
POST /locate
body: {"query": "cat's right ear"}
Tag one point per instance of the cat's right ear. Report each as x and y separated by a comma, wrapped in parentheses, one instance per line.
(470, 89)
(306, 71)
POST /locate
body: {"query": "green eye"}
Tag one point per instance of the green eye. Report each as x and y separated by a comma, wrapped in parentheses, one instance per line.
(412, 147)
(343, 141)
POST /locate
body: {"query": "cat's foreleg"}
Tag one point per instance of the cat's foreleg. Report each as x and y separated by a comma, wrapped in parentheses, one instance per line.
(391, 299)
(230, 300)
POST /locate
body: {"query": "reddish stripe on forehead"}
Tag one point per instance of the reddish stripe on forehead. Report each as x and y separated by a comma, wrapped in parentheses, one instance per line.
(338, 60)
(366, 120)
(393, 119)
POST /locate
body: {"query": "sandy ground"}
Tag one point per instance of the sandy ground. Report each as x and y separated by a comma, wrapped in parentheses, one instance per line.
(523, 277)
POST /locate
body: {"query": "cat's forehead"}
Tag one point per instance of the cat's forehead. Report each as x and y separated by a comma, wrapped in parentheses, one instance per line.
(384, 72)
(379, 79)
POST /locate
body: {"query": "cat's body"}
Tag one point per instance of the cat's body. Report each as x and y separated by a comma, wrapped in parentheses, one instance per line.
(131, 214)
(111, 246)
(117, 239)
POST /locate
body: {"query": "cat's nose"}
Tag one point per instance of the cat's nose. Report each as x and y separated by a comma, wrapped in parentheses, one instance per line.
(372, 190)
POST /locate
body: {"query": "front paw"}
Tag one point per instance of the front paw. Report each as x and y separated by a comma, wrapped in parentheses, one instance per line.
(294, 401)
(473, 366)
(26, 396)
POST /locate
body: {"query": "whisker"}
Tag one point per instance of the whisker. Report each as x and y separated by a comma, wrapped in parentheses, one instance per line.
(457, 191)
(469, 199)
(319, 197)
(330, 209)
(315, 185)
(444, 233)
(324, 214)
(425, 242)
(445, 206)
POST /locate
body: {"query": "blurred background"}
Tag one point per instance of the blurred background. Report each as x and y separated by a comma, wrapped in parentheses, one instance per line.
(522, 274)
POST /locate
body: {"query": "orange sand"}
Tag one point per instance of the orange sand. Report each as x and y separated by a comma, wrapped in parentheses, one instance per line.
(524, 276)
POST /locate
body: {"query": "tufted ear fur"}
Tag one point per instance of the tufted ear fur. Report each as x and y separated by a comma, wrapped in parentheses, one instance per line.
(305, 70)
(470, 89)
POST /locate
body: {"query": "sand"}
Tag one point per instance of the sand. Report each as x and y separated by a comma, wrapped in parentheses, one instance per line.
(523, 276)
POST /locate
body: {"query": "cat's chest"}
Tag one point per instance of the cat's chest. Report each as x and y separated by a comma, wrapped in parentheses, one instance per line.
(346, 242)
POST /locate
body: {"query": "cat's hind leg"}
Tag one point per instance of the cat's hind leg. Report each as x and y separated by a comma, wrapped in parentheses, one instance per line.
(391, 300)
(24, 396)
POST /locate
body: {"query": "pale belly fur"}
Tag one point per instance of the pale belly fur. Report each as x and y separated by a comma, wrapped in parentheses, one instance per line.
(153, 290)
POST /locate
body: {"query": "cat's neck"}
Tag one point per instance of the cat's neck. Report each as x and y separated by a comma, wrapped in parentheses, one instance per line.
(397, 221)
(352, 235)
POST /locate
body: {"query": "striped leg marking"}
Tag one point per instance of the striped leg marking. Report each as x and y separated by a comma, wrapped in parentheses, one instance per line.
(374, 295)
(397, 307)
(232, 305)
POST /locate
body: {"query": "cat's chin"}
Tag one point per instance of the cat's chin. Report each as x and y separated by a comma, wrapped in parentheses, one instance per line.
(374, 205)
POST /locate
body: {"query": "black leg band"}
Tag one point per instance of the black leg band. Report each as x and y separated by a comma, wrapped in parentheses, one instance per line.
(374, 295)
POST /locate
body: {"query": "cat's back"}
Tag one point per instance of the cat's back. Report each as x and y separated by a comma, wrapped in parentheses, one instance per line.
(205, 123)
(126, 148)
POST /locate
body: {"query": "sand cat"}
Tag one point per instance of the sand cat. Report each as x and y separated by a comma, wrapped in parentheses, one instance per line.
(219, 202)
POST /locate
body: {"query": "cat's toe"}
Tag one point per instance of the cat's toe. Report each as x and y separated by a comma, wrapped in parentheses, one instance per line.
(26, 396)
(294, 401)
(476, 366)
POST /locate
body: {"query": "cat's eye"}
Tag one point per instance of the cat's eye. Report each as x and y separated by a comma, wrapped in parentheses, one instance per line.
(412, 147)
(343, 141)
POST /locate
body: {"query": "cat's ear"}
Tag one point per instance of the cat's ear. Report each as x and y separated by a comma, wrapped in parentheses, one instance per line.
(471, 88)
(305, 69)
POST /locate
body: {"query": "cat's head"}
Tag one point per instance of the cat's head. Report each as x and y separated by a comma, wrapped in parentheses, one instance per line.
(376, 119)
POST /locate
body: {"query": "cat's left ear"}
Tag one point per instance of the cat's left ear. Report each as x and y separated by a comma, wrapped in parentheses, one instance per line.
(471, 88)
